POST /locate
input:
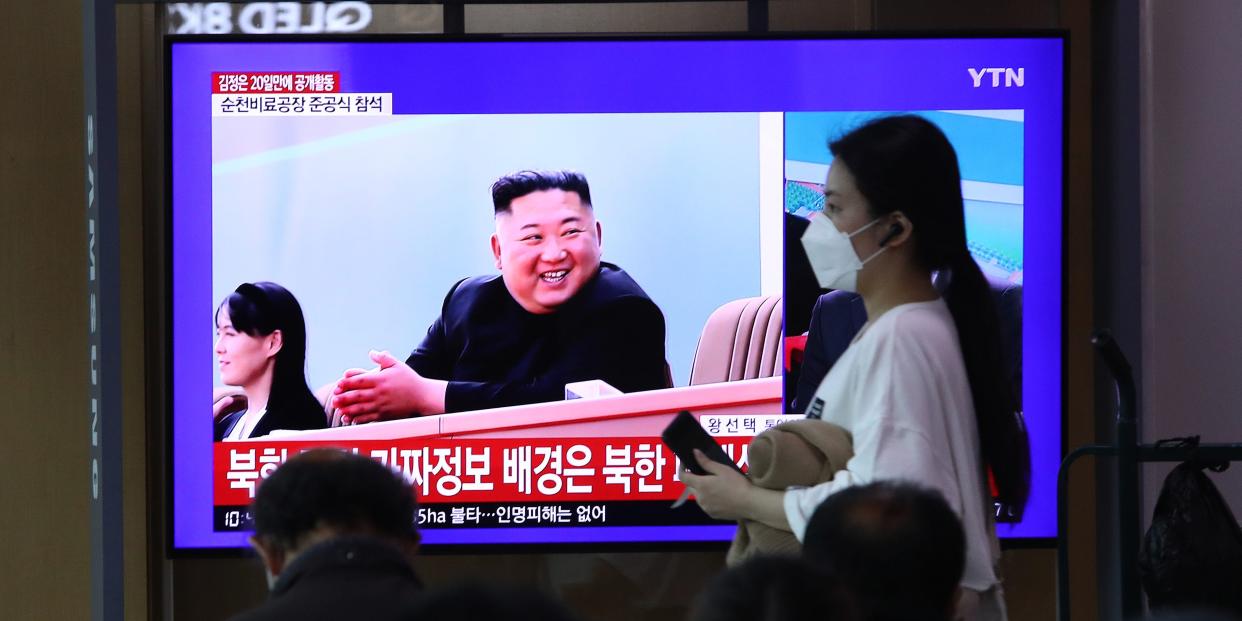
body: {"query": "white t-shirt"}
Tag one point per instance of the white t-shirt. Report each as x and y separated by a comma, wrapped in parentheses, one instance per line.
(901, 390)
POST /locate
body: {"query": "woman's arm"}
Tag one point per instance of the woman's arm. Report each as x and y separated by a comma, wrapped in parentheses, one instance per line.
(885, 452)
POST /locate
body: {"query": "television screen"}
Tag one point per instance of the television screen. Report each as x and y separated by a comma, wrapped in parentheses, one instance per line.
(347, 186)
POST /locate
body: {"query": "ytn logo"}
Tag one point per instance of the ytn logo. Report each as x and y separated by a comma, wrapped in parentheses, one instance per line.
(1013, 77)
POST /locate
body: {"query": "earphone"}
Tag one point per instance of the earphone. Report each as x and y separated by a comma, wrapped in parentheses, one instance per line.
(893, 231)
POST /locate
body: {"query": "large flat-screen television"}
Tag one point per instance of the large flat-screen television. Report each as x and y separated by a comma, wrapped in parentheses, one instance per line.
(357, 175)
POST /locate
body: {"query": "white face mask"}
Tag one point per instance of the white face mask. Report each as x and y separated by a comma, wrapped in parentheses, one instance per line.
(832, 256)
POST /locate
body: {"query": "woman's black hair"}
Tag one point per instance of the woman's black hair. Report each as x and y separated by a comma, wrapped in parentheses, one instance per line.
(261, 308)
(905, 163)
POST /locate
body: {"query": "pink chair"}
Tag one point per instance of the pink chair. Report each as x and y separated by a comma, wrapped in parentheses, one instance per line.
(741, 340)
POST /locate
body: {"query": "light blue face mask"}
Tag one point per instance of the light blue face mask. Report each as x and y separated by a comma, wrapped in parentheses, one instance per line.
(832, 256)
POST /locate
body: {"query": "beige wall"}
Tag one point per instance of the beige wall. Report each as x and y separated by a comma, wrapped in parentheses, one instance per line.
(42, 261)
(44, 475)
(1191, 223)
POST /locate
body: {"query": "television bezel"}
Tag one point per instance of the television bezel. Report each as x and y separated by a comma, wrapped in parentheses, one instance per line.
(164, 346)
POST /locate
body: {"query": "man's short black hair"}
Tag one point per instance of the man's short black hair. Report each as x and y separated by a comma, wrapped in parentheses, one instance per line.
(334, 489)
(774, 588)
(889, 538)
(525, 182)
(477, 601)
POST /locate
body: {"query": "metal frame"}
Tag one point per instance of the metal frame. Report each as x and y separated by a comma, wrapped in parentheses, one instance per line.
(1129, 454)
(455, 10)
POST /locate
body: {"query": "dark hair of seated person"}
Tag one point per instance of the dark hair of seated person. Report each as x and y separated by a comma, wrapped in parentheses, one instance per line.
(486, 602)
(897, 547)
(774, 588)
(330, 489)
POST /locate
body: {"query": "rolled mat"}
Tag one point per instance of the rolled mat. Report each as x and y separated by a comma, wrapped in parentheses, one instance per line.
(801, 452)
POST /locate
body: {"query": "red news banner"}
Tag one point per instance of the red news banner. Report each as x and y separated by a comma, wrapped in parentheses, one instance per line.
(447, 470)
(276, 82)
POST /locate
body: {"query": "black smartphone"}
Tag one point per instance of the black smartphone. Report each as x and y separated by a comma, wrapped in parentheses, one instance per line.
(685, 434)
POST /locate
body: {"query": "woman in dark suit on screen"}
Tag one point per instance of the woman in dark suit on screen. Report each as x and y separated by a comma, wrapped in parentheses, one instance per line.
(261, 347)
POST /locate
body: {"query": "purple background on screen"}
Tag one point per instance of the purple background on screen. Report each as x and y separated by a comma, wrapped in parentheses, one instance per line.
(535, 535)
(626, 76)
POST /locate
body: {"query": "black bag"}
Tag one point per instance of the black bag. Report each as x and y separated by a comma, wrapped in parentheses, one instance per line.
(1192, 554)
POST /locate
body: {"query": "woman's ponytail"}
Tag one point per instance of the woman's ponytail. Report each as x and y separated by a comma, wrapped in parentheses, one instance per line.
(1002, 438)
